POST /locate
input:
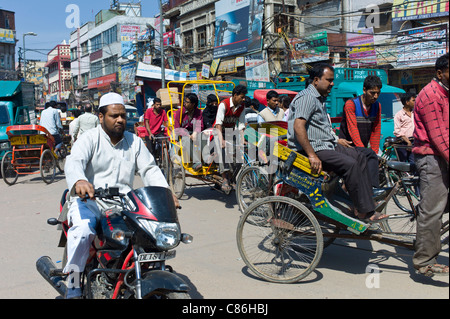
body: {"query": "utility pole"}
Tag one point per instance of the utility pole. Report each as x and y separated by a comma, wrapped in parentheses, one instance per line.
(161, 44)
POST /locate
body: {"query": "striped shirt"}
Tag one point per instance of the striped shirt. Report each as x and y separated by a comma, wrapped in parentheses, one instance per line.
(310, 105)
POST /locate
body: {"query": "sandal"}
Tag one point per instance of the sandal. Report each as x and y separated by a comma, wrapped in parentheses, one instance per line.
(373, 218)
(226, 188)
(432, 270)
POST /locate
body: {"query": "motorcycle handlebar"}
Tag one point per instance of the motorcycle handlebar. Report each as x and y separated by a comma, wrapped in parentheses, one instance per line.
(106, 193)
(110, 193)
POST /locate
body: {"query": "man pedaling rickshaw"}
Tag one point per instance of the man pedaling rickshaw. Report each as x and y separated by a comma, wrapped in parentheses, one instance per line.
(230, 116)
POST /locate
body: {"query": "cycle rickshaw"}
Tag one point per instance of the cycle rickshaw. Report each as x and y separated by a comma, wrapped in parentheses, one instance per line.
(281, 235)
(32, 153)
(180, 164)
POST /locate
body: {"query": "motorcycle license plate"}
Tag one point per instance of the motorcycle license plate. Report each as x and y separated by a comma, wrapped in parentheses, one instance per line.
(150, 257)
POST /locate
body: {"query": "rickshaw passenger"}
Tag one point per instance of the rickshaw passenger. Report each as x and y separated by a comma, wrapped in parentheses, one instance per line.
(272, 112)
(230, 115)
(210, 111)
(310, 132)
(51, 120)
(190, 130)
(251, 111)
(285, 101)
(155, 117)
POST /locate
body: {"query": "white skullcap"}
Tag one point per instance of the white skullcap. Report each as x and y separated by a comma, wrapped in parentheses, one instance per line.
(111, 98)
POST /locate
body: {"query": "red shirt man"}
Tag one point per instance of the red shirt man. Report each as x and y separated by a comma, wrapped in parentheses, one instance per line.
(431, 150)
(155, 117)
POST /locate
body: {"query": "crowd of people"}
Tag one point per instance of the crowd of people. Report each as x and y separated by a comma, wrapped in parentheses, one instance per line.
(108, 154)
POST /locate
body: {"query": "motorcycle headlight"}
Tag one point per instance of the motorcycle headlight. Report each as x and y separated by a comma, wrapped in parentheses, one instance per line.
(167, 235)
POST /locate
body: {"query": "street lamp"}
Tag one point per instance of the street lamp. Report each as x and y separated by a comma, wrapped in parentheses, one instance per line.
(24, 55)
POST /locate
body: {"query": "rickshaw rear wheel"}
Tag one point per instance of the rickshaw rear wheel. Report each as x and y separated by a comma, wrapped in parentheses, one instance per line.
(279, 239)
(9, 173)
(47, 166)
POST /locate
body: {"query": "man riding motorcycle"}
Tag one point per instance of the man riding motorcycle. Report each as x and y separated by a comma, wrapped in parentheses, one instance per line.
(105, 155)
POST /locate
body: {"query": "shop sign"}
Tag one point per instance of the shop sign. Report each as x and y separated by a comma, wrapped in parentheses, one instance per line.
(7, 36)
(421, 46)
(417, 10)
(102, 81)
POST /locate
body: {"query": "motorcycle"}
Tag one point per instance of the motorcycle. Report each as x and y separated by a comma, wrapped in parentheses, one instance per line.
(136, 234)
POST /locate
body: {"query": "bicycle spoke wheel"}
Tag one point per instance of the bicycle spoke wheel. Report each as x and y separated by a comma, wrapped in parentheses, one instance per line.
(279, 239)
(177, 177)
(47, 165)
(403, 222)
(165, 163)
(252, 184)
(9, 173)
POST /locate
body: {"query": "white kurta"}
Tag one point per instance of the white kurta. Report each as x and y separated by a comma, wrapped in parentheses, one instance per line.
(95, 159)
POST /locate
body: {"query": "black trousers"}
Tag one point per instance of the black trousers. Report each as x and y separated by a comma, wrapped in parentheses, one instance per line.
(372, 165)
(352, 166)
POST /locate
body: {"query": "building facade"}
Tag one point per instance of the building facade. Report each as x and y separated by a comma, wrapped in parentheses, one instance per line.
(296, 34)
(7, 45)
(100, 49)
(59, 74)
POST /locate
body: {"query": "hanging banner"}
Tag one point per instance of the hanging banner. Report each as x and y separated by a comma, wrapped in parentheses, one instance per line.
(228, 66)
(214, 65)
(127, 73)
(312, 48)
(205, 71)
(257, 68)
(154, 72)
(362, 52)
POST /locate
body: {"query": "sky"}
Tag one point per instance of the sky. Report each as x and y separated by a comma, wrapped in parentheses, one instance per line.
(47, 18)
